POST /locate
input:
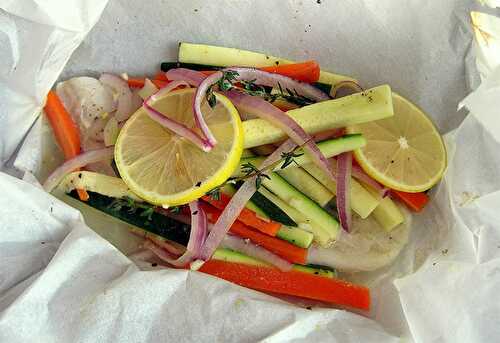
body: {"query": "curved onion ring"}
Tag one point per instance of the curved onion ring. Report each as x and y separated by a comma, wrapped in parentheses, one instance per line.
(76, 162)
(176, 127)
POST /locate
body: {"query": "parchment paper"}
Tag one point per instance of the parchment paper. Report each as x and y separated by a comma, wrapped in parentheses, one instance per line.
(60, 281)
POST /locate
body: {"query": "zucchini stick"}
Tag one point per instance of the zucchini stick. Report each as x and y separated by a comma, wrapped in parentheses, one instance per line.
(387, 213)
(226, 57)
(372, 104)
(362, 202)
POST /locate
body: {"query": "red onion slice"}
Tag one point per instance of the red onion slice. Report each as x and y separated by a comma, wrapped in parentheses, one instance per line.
(170, 248)
(265, 78)
(178, 128)
(168, 88)
(194, 78)
(76, 162)
(237, 203)
(196, 239)
(119, 86)
(164, 254)
(201, 92)
(263, 109)
(248, 248)
(360, 175)
(344, 167)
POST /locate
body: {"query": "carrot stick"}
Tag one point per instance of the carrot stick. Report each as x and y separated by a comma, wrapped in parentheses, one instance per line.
(135, 82)
(159, 83)
(305, 71)
(65, 130)
(161, 76)
(280, 247)
(139, 82)
(246, 216)
(333, 291)
(414, 201)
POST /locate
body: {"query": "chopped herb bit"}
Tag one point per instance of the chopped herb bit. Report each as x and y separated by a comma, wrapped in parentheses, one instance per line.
(288, 158)
(214, 193)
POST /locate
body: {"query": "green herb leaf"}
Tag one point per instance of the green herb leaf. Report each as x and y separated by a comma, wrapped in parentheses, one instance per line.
(214, 193)
(288, 158)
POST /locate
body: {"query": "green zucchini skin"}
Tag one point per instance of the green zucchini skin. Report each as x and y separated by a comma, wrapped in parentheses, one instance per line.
(159, 224)
(271, 210)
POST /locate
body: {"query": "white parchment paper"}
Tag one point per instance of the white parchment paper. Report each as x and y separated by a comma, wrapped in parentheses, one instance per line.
(60, 281)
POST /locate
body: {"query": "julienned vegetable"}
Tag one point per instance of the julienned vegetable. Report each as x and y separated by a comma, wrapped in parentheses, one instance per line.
(65, 131)
(228, 255)
(294, 283)
(362, 202)
(256, 251)
(325, 115)
(415, 201)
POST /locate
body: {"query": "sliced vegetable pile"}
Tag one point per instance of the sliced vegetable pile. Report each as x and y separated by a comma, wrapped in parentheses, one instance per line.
(250, 167)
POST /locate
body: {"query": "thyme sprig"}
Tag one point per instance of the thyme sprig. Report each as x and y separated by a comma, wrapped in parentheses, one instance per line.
(228, 82)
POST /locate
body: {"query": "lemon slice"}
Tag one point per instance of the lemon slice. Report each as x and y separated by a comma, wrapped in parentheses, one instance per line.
(166, 169)
(404, 152)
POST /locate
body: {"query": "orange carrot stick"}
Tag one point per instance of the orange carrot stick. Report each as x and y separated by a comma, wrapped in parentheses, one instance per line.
(65, 130)
(414, 201)
(305, 71)
(246, 216)
(139, 82)
(333, 291)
